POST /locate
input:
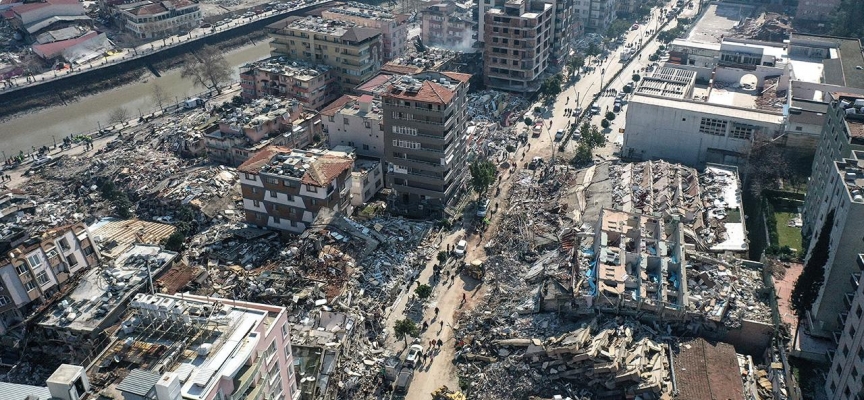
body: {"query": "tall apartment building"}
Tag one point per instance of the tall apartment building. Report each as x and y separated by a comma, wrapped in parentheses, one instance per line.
(393, 27)
(843, 380)
(424, 133)
(595, 15)
(356, 122)
(284, 189)
(447, 24)
(158, 19)
(566, 27)
(314, 85)
(354, 51)
(36, 268)
(844, 197)
(841, 134)
(519, 39)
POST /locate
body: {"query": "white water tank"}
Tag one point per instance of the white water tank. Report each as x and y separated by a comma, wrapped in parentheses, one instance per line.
(168, 387)
(68, 382)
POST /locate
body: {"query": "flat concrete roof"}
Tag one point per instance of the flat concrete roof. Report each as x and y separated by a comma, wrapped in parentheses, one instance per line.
(708, 108)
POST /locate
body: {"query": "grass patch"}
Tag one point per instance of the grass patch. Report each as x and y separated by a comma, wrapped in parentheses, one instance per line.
(733, 216)
(787, 235)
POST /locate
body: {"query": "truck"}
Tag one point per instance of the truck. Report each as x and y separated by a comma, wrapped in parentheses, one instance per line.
(538, 128)
(626, 54)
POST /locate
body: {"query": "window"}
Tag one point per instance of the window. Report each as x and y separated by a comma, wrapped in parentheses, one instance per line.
(331, 118)
(276, 220)
(742, 131)
(64, 244)
(858, 311)
(249, 176)
(4, 301)
(799, 128)
(271, 350)
(285, 331)
(88, 251)
(272, 193)
(254, 190)
(256, 203)
(366, 123)
(30, 285)
(71, 260)
(406, 144)
(21, 268)
(273, 181)
(311, 189)
(34, 260)
(42, 278)
(345, 121)
(365, 147)
(404, 130)
(711, 126)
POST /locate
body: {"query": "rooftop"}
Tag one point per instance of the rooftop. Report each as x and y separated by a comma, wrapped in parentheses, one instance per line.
(845, 58)
(435, 89)
(153, 8)
(705, 370)
(668, 82)
(852, 171)
(356, 9)
(311, 167)
(225, 335)
(115, 236)
(299, 70)
(260, 111)
(363, 106)
(102, 292)
(709, 108)
(378, 84)
(343, 29)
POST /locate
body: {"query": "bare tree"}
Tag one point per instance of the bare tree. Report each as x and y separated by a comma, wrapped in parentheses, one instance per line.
(766, 166)
(159, 96)
(207, 67)
(118, 115)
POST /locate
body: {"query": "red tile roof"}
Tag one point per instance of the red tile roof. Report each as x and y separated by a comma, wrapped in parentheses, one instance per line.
(708, 371)
(253, 165)
(50, 50)
(464, 78)
(325, 169)
(332, 108)
(430, 92)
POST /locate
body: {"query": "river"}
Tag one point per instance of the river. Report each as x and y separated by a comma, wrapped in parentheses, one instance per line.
(84, 115)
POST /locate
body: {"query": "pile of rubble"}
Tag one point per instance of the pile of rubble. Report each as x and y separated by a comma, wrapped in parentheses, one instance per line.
(771, 27)
(501, 107)
(429, 58)
(615, 358)
(726, 292)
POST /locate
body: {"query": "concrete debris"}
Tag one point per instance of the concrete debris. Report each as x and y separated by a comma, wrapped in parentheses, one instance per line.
(495, 106)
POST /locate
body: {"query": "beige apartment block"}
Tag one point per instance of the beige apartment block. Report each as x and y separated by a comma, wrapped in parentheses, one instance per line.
(393, 27)
(314, 85)
(519, 39)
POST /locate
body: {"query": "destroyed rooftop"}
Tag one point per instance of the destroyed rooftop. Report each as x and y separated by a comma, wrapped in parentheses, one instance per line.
(346, 30)
(356, 9)
(259, 111)
(103, 291)
(298, 69)
(432, 59)
(311, 167)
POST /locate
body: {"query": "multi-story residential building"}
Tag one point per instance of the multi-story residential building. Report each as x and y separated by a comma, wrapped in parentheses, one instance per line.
(424, 133)
(565, 28)
(244, 132)
(284, 189)
(842, 134)
(393, 27)
(36, 269)
(367, 178)
(313, 85)
(35, 17)
(356, 122)
(595, 15)
(158, 19)
(843, 380)
(448, 24)
(248, 355)
(354, 51)
(519, 40)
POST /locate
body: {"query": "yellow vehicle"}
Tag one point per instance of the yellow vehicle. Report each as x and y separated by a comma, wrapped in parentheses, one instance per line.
(475, 269)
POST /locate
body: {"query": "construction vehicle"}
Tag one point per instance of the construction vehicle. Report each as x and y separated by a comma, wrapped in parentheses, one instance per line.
(475, 269)
(444, 393)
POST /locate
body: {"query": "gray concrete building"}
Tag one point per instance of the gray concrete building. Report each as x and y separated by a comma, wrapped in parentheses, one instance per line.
(424, 132)
(843, 380)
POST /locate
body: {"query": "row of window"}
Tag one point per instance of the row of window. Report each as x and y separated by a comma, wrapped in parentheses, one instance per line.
(406, 144)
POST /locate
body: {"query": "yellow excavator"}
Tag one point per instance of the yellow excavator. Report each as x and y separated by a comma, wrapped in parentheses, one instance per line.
(444, 393)
(475, 269)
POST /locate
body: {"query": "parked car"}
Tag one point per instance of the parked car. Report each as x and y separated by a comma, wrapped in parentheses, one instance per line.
(460, 248)
(535, 162)
(414, 353)
(617, 107)
(595, 110)
(482, 207)
(559, 135)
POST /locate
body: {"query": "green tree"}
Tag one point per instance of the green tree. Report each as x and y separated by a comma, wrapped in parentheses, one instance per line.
(636, 77)
(610, 115)
(551, 87)
(483, 174)
(627, 89)
(529, 121)
(404, 328)
(618, 27)
(122, 205)
(575, 63)
(593, 49)
(583, 155)
(591, 136)
(847, 19)
(175, 241)
(813, 276)
(423, 291)
(605, 124)
(442, 256)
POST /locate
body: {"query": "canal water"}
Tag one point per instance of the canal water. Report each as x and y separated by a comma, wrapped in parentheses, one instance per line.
(84, 115)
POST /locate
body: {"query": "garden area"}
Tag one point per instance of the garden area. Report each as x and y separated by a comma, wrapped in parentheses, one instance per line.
(784, 223)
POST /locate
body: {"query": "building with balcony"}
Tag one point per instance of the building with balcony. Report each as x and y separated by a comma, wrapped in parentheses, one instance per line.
(38, 267)
(194, 347)
(284, 189)
(843, 380)
(393, 27)
(367, 178)
(519, 39)
(354, 51)
(356, 122)
(313, 85)
(424, 134)
(600, 14)
(149, 19)
(241, 133)
(448, 24)
(842, 133)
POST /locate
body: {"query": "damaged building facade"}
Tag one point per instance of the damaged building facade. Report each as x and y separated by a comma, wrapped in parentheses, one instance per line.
(284, 189)
(313, 85)
(357, 122)
(424, 131)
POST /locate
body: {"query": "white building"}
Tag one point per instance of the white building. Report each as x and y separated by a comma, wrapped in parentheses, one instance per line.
(847, 363)
(367, 178)
(671, 116)
(158, 19)
(356, 122)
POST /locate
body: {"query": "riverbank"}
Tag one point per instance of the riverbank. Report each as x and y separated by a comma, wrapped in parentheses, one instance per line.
(95, 85)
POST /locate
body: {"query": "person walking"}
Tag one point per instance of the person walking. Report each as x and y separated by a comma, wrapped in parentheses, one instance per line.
(436, 311)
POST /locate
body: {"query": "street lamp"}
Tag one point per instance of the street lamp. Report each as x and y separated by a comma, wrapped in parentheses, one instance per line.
(55, 140)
